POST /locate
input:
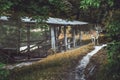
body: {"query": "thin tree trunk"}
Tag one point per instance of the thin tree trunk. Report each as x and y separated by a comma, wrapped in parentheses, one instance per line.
(28, 41)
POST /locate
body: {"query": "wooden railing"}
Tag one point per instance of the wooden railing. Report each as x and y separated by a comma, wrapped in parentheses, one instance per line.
(32, 47)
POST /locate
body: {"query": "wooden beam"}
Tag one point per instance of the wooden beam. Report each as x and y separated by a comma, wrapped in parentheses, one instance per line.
(65, 38)
(53, 38)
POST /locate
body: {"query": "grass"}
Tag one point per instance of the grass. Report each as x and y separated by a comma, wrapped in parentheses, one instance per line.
(54, 67)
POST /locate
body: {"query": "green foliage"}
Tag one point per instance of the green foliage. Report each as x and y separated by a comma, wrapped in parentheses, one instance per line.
(4, 5)
(8, 36)
(40, 19)
(114, 46)
(113, 68)
(113, 30)
(34, 7)
(85, 4)
(113, 51)
(3, 73)
(30, 8)
(59, 4)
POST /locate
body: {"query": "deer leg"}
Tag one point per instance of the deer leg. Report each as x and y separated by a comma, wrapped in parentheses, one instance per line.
(97, 40)
(92, 38)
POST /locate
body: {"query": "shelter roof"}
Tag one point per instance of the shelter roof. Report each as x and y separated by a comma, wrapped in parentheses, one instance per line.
(50, 20)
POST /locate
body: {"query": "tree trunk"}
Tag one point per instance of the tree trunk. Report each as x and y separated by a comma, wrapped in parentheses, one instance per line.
(28, 41)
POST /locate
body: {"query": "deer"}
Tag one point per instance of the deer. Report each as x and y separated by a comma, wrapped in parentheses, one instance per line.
(95, 33)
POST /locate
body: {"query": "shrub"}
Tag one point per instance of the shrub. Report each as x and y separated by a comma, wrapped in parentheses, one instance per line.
(3, 72)
(113, 51)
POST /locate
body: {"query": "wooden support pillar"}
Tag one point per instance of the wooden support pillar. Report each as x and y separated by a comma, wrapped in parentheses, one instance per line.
(80, 35)
(56, 35)
(28, 41)
(65, 38)
(18, 25)
(74, 39)
(55, 30)
(68, 40)
(53, 38)
(17, 21)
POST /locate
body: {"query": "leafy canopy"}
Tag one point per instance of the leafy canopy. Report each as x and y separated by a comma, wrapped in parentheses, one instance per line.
(34, 7)
(85, 4)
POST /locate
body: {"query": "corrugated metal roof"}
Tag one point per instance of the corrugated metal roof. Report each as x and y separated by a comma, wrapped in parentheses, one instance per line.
(64, 22)
(50, 20)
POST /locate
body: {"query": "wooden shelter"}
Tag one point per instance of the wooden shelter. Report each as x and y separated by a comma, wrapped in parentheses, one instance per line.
(54, 23)
(57, 22)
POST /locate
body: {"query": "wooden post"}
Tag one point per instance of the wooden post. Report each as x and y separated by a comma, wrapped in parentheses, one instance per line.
(65, 38)
(53, 38)
(28, 41)
(18, 25)
(18, 41)
(68, 43)
(55, 30)
(74, 40)
(80, 36)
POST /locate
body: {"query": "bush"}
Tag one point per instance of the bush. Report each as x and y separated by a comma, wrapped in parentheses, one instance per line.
(114, 46)
(113, 30)
(113, 51)
(3, 72)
